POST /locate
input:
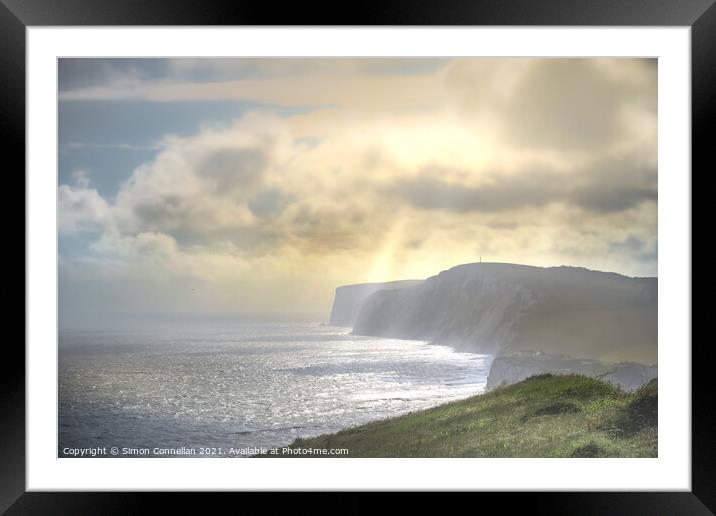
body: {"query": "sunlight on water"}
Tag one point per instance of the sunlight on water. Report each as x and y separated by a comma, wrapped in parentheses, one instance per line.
(259, 385)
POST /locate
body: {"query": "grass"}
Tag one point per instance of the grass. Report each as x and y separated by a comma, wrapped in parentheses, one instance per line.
(543, 416)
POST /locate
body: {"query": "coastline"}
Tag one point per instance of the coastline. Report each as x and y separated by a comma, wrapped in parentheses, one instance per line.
(543, 416)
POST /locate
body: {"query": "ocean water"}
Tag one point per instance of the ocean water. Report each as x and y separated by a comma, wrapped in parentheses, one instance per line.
(229, 389)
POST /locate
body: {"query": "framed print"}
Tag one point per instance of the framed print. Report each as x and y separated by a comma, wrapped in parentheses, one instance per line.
(437, 249)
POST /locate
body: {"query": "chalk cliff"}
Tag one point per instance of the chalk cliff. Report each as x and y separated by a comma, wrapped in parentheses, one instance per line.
(506, 309)
(349, 299)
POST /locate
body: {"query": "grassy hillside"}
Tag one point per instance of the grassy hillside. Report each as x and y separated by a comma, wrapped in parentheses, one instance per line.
(543, 416)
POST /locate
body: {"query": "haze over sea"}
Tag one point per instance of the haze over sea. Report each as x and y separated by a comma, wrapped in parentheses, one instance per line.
(225, 383)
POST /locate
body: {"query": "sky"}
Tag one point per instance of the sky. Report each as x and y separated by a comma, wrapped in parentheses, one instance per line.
(257, 186)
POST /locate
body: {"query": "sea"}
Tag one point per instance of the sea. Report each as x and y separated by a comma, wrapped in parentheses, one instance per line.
(237, 388)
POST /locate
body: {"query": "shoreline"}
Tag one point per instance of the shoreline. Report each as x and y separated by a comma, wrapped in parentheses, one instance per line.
(542, 416)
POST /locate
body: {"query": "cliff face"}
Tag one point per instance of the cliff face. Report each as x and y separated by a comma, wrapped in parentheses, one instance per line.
(349, 299)
(506, 309)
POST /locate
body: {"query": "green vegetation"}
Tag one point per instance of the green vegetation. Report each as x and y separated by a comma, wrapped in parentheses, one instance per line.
(543, 416)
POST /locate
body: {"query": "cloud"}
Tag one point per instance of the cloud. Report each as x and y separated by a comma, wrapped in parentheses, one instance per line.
(576, 104)
(81, 209)
(367, 93)
(201, 186)
(570, 104)
(131, 247)
(269, 202)
(428, 191)
(256, 187)
(402, 176)
(82, 73)
(643, 248)
(75, 73)
(234, 169)
(81, 178)
(609, 185)
(615, 184)
(102, 146)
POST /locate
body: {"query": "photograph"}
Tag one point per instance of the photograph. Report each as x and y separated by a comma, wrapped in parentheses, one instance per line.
(345, 257)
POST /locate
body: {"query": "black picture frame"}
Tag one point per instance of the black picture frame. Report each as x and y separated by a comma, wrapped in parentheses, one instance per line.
(700, 15)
